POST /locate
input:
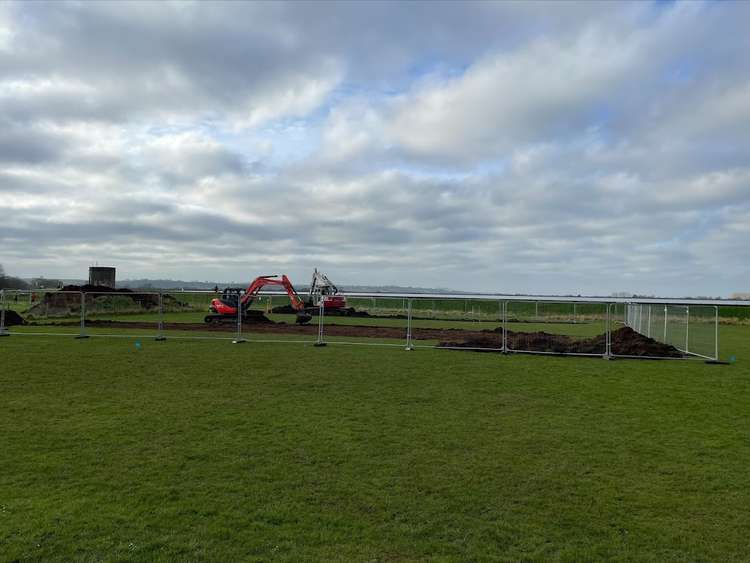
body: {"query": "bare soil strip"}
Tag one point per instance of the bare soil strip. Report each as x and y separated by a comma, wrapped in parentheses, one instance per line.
(625, 341)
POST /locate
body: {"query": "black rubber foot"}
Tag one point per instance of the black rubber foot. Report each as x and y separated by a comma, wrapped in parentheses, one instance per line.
(239, 341)
(4, 333)
(713, 362)
(81, 336)
(320, 344)
(160, 338)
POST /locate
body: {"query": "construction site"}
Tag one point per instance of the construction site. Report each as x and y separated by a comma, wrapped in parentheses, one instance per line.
(323, 314)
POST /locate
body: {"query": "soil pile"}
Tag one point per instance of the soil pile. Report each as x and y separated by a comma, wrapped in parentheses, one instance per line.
(346, 312)
(625, 342)
(98, 298)
(12, 318)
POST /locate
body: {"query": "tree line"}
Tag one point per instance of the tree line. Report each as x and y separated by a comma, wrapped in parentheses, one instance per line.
(11, 282)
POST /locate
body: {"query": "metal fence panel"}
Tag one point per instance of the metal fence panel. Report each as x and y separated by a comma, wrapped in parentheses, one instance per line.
(375, 321)
(557, 327)
(692, 330)
(467, 324)
(410, 321)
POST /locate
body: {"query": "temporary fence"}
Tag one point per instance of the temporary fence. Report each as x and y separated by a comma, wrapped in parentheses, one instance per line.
(692, 329)
(585, 327)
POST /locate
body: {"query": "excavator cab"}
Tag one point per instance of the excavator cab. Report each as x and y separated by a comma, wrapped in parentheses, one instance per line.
(230, 296)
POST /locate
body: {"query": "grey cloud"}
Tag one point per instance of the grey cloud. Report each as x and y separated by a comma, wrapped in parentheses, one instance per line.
(123, 141)
(19, 144)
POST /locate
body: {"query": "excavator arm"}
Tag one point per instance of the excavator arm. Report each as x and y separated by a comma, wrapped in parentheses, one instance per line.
(260, 282)
(227, 309)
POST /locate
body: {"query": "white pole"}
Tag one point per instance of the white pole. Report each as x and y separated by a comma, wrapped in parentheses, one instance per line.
(716, 333)
(409, 345)
(160, 331)
(82, 333)
(321, 308)
(238, 338)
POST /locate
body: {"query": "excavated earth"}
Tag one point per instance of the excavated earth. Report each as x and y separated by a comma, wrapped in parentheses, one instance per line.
(61, 303)
(349, 312)
(625, 341)
(12, 318)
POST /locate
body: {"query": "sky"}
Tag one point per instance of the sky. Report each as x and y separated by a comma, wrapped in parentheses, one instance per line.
(530, 147)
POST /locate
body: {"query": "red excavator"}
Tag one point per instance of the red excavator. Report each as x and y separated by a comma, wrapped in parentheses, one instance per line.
(224, 308)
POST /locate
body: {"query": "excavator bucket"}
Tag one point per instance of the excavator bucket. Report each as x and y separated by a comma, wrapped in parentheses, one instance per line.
(303, 317)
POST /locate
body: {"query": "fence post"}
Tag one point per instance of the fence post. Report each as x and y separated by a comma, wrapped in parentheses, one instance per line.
(3, 332)
(608, 334)
(574, 313)
(320, 342)
(238, 337)
(666, 311)
(716, 333)
(82, 333)
(649, 322)
(504, 346)
(409, 345)
(160, 331)
(687, 329)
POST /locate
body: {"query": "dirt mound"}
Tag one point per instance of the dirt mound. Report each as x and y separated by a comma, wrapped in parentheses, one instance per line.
(12, 318)
(98, 298)
(625, 342)
(346, 312)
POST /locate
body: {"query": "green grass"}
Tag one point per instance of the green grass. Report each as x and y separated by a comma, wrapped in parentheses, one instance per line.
(208, 451)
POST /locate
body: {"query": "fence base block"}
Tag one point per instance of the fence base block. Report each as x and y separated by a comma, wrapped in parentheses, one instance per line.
(239, 341)
(160, 338)
(81, 336)
(320, 344)
(4, 333)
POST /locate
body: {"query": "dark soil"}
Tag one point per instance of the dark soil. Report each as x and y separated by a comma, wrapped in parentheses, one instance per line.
(347, 312)
(62, 303)
(290, 329)
(625, 342)
(12, 318)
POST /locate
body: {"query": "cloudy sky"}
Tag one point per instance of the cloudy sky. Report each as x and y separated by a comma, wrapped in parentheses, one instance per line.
(510, 147)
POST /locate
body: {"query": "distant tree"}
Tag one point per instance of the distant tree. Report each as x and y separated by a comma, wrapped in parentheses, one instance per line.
(9, 282)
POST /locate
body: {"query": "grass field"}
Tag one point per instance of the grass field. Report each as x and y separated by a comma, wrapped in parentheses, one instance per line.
(206, 451)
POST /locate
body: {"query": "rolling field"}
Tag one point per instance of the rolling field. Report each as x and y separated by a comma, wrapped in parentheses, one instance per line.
(205, 451)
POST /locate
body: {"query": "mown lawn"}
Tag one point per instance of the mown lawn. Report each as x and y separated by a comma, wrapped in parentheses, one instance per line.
(208, 451)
